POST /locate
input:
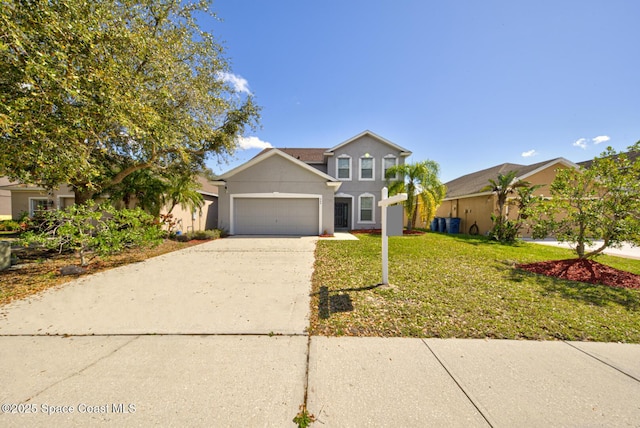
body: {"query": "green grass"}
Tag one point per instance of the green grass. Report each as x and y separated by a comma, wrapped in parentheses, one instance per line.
(465, 287)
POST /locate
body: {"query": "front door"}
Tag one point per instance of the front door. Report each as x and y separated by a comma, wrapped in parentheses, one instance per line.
(341, 215)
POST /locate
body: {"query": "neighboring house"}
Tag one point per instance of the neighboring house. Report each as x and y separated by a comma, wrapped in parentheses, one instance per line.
(27, 198)
(5, 199)
(205, 218)
(17, 199)
(467, 200)
(301, 191)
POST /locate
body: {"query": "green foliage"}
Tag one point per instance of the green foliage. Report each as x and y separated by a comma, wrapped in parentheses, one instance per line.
(304, 419)
(467, 287)
(506, 230)
(9, 226)
(200, 235)
(421, 184)
(95, 91)
(601, 202)
(85, 228)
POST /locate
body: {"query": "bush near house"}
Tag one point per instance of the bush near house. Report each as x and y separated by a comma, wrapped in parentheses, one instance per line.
(9, 226)
(200, 235)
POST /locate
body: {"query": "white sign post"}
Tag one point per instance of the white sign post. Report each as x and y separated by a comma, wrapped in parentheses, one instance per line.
(384, 203)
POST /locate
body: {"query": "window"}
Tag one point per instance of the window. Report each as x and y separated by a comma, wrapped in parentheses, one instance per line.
(366, 168)
(344, 168)
(388, 162)
(38, 204)
(366, 208)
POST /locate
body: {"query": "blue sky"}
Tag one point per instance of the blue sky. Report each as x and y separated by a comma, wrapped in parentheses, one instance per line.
(469, 84)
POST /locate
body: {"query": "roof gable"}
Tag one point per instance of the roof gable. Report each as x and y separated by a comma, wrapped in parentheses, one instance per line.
(402, 150)
(275, 152)
(472, 184)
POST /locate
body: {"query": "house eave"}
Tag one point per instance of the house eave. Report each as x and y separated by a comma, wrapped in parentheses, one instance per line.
(335, 184)
(267, 155)
(473, 195)
(373, 135)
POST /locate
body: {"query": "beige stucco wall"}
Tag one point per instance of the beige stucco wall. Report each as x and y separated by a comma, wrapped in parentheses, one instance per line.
(276, 174)
(476, 209)
(479, 208)
(58, 198)
(5, 205)
(206, 218)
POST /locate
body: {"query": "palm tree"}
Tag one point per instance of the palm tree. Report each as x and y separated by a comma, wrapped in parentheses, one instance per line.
(143, 188)
(421, 184)
(183, 191)
(505, 185)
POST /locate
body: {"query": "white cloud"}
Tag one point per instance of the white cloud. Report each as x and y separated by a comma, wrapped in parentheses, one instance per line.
(239, 83)
(601, 139)
(582, 143)
(529, 153)
(247, 143)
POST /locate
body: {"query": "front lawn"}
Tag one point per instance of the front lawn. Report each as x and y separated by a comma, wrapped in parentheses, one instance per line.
(465, 287)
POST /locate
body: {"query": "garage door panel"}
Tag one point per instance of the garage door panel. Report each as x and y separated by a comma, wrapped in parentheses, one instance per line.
(276, 216)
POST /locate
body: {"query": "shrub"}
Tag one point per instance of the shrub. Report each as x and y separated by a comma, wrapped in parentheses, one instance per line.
(93, 228)
(9, 226)
(200, 235)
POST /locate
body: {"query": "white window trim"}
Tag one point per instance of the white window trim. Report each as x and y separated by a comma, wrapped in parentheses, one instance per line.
(389, 156)
(373, 169)
(350, 167)
(61, 197)
(31, 199)
(373, 209)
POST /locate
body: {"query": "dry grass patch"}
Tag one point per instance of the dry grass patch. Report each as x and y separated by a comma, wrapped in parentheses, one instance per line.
(39, 270)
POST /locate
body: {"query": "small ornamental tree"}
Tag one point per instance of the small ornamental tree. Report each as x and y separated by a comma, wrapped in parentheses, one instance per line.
(90, 228)
(598, 203)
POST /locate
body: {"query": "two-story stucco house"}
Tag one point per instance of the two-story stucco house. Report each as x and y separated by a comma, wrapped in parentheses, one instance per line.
(309, 191)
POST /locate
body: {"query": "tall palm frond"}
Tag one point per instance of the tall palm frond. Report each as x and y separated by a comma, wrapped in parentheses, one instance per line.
(421, 184)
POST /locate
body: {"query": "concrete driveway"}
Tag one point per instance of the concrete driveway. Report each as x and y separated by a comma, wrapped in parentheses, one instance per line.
(213, 335)
(228, 286)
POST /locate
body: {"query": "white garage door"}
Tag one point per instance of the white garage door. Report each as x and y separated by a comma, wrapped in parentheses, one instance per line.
(276, 216)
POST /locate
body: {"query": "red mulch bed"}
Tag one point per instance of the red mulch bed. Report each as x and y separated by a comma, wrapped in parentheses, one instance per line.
(379, 231)
(584, 271)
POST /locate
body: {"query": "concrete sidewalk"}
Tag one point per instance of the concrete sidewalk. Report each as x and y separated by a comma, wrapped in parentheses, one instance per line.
(215, 335)
(468, 383)
(625, 250)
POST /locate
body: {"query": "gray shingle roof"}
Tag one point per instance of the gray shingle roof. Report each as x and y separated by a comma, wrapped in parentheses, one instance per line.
(306, 155)
(473, 183)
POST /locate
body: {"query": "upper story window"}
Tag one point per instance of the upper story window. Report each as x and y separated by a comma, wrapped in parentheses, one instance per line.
(343, 168)
(366, 168)
(388, 162)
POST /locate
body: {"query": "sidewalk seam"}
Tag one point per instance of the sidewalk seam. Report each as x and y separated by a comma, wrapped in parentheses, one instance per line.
(78, 372)
(65, 335)
(602, 361)
(446, 369)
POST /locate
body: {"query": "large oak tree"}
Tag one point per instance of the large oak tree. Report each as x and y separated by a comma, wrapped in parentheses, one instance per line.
(93, 91)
